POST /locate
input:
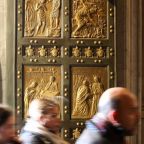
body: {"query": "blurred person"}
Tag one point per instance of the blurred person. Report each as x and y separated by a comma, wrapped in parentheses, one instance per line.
(43, 124)
(7, 123)
(116, 118)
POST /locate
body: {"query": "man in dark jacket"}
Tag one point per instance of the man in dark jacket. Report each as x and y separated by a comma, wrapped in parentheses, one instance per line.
(116, 118)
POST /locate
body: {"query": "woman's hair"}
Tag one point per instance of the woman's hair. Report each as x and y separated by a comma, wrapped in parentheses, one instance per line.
(5, 113)
(39, 107)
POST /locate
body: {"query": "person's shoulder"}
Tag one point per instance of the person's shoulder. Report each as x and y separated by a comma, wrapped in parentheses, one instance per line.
(34, 138)
(30, 138)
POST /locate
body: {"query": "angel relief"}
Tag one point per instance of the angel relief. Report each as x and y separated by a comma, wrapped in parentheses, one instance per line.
(86, 96)
(42, 18)
(89, 18)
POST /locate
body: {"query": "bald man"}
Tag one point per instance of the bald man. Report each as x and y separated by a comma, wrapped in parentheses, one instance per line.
(116, 118)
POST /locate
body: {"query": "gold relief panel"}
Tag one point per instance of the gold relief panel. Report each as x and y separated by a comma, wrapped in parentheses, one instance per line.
(41, 82)
(42, 18)
(89, 19)
(88, 83)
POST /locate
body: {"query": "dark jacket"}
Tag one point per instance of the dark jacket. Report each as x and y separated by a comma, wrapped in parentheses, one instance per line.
(101, 132)
(34, 138)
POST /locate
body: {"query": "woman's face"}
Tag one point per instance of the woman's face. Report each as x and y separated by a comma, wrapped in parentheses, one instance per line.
(7, 129)
(52, 120)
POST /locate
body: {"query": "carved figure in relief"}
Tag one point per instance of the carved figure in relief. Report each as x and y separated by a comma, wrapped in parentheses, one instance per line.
(97, 89)
(54, 51)
(30, 93)
(42, 51)
(82, 100)
(76, 52)
(76, 134)
(100, 53)
(29, 18)
(88, 52)
(54, 15)
(51, 89)
(83, 17)
(41, 16)
(29, 51)
(101, 23)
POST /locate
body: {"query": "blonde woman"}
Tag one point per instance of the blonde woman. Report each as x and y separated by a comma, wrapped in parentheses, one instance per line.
(43, 124)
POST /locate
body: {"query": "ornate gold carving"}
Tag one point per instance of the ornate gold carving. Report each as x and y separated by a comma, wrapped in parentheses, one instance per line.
(100, 53)
(87, 90)
(76, 52)
(29, 51)
(42, 51)
(54, 51)
(89, 19)
(42, 18)
(41, 82)
(76, 133)
(88, 52)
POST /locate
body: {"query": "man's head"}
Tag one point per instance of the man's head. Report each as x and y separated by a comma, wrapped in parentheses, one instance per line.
(120, 107)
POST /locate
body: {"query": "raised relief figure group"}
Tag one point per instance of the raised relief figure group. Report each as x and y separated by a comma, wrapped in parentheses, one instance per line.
(89, 19)
(87, 96)
(42, 18)
(38, 90)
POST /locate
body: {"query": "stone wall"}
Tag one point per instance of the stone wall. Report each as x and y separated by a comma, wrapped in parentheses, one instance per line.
(2, 48)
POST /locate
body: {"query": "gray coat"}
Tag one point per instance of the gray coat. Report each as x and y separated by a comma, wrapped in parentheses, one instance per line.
(101, 134)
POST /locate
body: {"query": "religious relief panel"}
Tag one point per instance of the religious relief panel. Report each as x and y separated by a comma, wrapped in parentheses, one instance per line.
(42, 51)
(89, 52)
(88, 83)
(42, 18)
(41, 82)
(89, 19)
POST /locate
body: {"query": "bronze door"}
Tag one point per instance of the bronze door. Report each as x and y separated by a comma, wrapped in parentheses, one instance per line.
(65, 49)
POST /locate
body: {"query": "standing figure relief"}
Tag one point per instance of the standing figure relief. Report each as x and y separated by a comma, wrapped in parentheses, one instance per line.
(82, 100)
(54, 15)
(30, 94)
(30, 18)
(41, 16)
(97, 89)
